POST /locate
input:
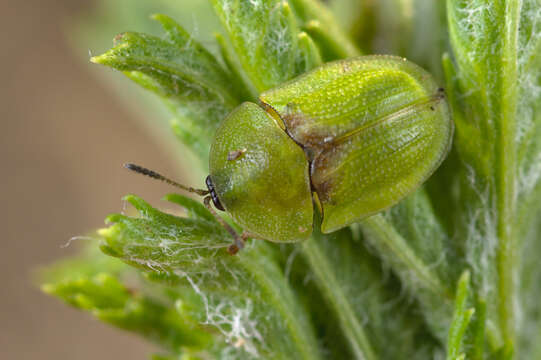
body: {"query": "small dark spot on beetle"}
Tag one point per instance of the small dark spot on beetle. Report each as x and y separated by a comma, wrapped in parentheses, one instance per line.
(441, 90)
(432, 108)
(235, 154)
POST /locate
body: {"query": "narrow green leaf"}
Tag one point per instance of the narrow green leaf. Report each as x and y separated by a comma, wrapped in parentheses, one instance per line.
(310, 56)
(529, 112)
(264, 36)
(399, 27)
(381, 233)
(370, 312)
(415, 221)
(200, 61)
(351, 325)
(477, 348)
(320, 23)
(130, 309)
(329, 47)
(461, 319)
(193, 84)
(239, 78)
(417, 275)
(486, 44)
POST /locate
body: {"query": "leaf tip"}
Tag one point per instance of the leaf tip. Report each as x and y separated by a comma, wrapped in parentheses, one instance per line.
(464, 278)
(313, 24)
(106, 231)
(110, 219)
(156, 16)
(136, 202)
(161, 18)
(96, 59)
(104, 59)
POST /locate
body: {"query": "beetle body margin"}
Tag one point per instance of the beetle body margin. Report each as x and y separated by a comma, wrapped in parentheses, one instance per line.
(362, 133)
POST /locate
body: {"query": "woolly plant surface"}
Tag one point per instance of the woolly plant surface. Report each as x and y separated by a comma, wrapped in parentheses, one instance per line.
(450, 272)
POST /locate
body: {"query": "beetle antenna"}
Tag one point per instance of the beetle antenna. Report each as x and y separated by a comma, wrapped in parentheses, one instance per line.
(144, 171)
(239, 240)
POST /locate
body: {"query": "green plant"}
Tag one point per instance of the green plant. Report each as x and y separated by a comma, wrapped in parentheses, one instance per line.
(451, 271)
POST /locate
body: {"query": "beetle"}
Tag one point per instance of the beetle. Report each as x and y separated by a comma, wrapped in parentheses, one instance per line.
(351, 137)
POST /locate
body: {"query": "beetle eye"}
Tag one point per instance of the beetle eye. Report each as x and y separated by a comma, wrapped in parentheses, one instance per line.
(213, 194)
(216, 201)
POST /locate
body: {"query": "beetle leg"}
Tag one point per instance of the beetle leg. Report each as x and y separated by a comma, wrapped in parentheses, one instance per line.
(237, 245)
(238, 240)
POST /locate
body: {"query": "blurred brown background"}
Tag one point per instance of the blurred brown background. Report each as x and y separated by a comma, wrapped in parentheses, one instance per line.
(64, 137)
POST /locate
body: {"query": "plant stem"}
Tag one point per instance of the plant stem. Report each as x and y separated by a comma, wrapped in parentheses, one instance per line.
(388, 241)
(506, 177)
(329, 286)
(279, 295)
(479, 330)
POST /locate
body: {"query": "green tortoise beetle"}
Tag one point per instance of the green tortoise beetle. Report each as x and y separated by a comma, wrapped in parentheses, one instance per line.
(352, 137)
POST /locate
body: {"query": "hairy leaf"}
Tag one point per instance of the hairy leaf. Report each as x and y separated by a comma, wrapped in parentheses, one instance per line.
(493, 92)
(115, 294)
(373, 310)
(264, 36)
(245, 297)
(191, 81)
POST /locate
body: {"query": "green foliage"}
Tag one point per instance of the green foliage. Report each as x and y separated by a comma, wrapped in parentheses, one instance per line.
(191, 81)
(450, 271)
(365, 298)
(246, 297)
(461, 319)
(117, 295)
